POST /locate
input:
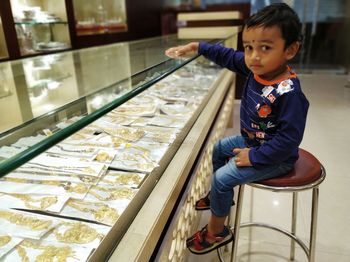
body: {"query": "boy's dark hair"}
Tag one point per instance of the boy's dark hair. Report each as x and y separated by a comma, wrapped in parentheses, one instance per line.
(280, 15)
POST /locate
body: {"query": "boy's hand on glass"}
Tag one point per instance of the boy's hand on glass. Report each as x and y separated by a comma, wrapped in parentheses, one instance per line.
(242, 157)
(183, 51)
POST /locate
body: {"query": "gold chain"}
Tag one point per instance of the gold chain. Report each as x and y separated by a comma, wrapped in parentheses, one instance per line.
(125, 179)
(103, 156)
(77, 233)
(114, 194)
(49, 254)
(101, 214)
(4, 240)
(27, 221)
(125, 133)
(68, 186)
(45, 202)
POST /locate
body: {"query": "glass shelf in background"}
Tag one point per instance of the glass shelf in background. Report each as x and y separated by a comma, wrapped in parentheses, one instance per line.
(100, 17)
(41, 26)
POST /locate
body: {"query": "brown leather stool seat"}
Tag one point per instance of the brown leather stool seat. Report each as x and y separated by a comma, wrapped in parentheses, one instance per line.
(308, 173)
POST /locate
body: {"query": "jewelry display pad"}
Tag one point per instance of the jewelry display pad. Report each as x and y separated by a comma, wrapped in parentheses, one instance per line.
(104, 212)
(7, 243)
(121, 178)
(25, 225)
(47, 203)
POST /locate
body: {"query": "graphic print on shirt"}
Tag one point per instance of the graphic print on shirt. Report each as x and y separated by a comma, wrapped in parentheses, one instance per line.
(285, 87)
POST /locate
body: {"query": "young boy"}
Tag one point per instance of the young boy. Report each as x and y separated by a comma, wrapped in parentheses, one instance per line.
(273, 115)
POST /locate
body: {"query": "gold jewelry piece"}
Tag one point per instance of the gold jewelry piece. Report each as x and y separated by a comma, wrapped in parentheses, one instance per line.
(102, 214)
(125, 179)
(77, 233)
(50, 253)
(45, 202)
(27, 221)
(146, 165)
(87, 150)
(68, 186)
(65, 168)
(125, 133)
(103, 156)
(4, 240)
(114, 194)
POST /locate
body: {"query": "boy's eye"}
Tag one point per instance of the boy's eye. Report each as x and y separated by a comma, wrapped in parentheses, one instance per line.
(265, 48)
(248, 48)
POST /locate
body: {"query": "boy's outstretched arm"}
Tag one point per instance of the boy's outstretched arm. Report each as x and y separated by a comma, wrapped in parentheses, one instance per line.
(183, 51)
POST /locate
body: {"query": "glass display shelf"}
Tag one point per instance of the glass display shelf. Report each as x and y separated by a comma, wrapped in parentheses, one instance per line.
(33, 23)
(100, 17)
(41, 26)
(52, 96)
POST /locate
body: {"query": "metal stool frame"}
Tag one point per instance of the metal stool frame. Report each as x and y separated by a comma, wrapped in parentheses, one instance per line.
(309, 250)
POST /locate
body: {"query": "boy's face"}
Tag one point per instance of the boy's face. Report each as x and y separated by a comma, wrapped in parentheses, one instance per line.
(265, 53)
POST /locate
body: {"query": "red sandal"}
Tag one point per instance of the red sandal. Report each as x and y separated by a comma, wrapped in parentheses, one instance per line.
(204, 203)
(199, 245)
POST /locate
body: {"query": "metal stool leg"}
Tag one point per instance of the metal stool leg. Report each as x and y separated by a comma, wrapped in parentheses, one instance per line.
(294, 224)
(229, 225)
(237, 223)
(314, 210)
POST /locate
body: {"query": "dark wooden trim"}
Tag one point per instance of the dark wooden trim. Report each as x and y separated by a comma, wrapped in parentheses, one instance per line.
(9, 30)
(210, 23)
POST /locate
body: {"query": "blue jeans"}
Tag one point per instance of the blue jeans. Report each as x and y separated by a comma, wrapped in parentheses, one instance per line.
(227, 175)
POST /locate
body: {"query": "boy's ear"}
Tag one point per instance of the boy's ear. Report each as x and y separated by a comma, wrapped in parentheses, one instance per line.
(292, 50)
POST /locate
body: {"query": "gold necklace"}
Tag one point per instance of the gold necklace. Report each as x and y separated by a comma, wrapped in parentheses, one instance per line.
(4, 240)
(102, 214)
(64, 168)
(27, 221)
(125, 133)
(45, 202)
(77, 233)
(114, 194)
(50, 253)
(68, 186)
(125, 179)
(103, 156)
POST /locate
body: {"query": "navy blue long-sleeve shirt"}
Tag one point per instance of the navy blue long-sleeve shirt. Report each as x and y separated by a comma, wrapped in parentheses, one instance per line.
(272, 115)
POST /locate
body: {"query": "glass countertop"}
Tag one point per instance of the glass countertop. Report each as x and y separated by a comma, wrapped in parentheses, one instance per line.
(49, 97)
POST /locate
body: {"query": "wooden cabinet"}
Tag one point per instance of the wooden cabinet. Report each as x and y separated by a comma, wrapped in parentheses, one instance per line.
(32, 27)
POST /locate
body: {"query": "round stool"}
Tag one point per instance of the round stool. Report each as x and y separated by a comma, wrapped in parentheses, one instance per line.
(308, 173)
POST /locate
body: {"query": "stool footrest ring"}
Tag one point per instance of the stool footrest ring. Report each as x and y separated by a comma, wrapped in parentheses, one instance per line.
(279, 229)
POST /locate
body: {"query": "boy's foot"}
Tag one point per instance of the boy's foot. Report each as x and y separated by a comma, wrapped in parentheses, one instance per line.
(204, 203)
(203, 242)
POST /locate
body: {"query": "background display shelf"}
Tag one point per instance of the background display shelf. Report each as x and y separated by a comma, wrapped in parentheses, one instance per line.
(100, 17)
(41, 26)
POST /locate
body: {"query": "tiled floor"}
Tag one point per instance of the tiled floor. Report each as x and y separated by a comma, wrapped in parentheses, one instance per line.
(327, 136)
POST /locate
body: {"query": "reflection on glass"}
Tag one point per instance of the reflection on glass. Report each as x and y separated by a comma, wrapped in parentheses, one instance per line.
(41, 26)
(100, 16)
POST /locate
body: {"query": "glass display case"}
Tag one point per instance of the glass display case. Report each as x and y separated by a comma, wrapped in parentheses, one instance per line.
(41, 26)
(89, 135)
(3, 47)
(100, 17)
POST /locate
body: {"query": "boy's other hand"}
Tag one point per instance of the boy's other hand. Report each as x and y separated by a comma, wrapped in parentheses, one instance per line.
(181, 51)
(242, 157)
